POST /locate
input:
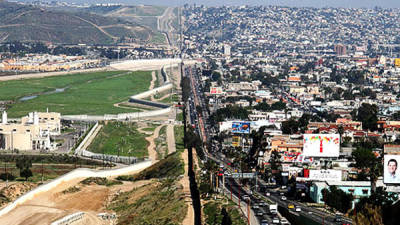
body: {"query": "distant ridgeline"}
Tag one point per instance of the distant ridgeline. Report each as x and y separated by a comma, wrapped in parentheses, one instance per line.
(21, 22)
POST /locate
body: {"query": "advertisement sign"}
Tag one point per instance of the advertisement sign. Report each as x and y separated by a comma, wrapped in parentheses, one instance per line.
(241, 127)
(321, 145)
(325, 175)
(397, 62)
(287, 156)
(391, 174)
(236, 141)
(216, 90)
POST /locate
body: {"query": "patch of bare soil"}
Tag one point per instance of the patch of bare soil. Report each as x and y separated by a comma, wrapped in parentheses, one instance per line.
(14, 190)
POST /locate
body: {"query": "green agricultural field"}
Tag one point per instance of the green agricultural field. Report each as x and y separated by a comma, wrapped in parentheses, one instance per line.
(118, 138)
(85, 93)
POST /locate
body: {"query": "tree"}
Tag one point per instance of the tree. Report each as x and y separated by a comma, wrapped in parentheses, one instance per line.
(381, 202)
(26, 173)
(369, 215)
(290, 126)
(337, 199)
(275, 160)
(24, 164)
(367, 114)
(368, 163)
(226, 219)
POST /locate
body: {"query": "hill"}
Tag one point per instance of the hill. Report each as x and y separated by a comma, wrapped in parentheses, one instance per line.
(27, 23)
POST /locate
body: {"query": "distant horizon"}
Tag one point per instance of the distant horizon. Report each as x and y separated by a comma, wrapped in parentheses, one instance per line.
(289, 3)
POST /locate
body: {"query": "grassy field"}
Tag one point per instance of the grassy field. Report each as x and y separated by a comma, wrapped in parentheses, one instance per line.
(178, 130)
(88, 93)
(120, 137)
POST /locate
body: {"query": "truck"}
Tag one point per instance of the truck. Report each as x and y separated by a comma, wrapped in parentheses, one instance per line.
(273, 208)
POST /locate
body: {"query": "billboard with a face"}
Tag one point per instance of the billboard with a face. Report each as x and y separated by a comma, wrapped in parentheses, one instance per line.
(321, 145)
(391, 173)
(241, 127)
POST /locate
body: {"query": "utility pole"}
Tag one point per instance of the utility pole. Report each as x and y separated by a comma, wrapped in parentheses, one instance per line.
(248, 211)
(42, 170)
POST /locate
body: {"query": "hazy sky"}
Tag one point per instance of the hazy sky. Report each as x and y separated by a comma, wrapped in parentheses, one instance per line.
(308, 3)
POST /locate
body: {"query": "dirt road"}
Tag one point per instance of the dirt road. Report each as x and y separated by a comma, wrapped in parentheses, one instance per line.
(189, 219)
(171, 139)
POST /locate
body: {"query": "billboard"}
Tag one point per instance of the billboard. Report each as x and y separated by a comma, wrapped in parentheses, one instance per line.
(241, 127)
(325, 175)
(391, 174)
(216, 91)
(397, 62)
(321, 145)
(236, 141)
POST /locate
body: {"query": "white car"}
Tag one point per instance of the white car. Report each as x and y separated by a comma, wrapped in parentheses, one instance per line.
(283, 198)
(298, 209)
(275, 220)
(267, 194)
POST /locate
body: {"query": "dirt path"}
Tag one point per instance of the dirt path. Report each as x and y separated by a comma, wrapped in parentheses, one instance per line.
(152, 146)
(189, 219)
(99, 28)
(53, 204)
(171, 139)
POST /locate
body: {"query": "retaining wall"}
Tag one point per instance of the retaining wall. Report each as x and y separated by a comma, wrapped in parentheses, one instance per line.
(110, 158)
(77, 173)
(83, 142)
(122, 116)
(153, 91)
(69, 219)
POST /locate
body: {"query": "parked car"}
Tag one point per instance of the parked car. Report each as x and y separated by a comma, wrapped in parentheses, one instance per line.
(275, 220)
(283, 198)
(298, 209)
(290, 206)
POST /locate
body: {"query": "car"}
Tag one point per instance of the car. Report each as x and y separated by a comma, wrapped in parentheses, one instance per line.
(268, 194)
(264, 222)
(284, 221)
(290, 206)
(281, 193)
(275, 220)
(298, 209)
(283, 198)
(255, 206)
(259, 213)
(246, 197)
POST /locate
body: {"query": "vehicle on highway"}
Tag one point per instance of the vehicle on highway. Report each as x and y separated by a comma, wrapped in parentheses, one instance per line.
(275, 220)
(290, 206)
(264, 222)
(338, 217)
(273, 208)
(283, 198)
(298, 209)
(284, 221)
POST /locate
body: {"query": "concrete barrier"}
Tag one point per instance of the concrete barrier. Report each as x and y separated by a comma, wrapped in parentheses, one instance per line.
(110, 158)
(69, 219)
(78, 149)
(122, 116)
(77, 173)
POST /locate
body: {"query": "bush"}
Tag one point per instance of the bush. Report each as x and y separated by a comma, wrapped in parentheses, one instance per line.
(7, 176)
